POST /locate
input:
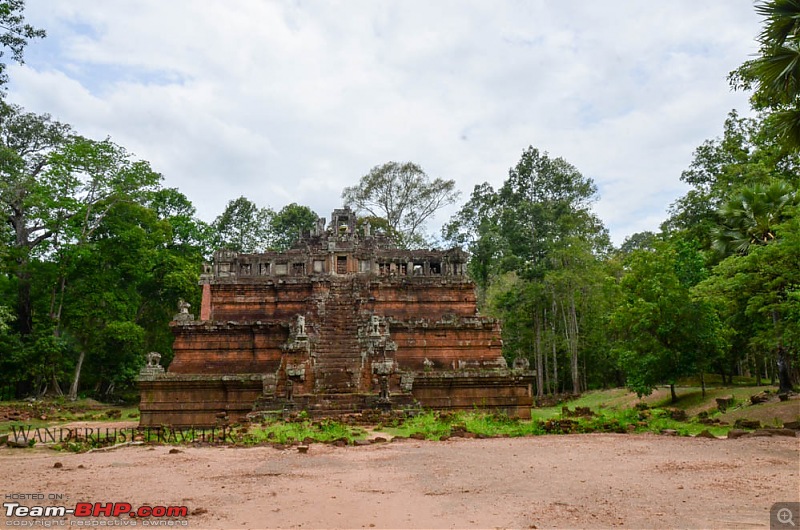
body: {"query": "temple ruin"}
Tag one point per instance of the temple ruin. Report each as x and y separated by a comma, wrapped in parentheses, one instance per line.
(343, 321)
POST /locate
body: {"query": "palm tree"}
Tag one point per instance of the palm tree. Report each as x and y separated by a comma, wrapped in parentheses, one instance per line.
(775, 75)
(752, 215)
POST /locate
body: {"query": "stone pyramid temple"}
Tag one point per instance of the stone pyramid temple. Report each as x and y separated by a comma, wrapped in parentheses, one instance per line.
(342, 322)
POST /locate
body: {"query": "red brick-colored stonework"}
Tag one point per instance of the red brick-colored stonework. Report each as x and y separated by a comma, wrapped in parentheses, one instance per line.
(341, 322)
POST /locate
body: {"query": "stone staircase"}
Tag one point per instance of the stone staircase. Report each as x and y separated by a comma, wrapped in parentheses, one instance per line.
(338, 367)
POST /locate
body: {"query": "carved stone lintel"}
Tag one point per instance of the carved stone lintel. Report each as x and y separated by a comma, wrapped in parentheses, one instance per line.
(386, 367)
(296, 370)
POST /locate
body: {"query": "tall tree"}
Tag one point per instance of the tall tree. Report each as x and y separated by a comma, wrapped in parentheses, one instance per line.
(663, 333)
(289, 223)
(16, 33)
(55, 189)
(404, 195)
(243, 227)
(535, 245)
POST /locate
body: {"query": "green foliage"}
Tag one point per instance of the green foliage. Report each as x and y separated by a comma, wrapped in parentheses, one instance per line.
(752, 216)
(662, 333)
(16, 35)
(281, 432)
(243, 227)
(536, 250)
(775, 72)
(404, 195)
(748, 154)
(757, 295)
(287, 225)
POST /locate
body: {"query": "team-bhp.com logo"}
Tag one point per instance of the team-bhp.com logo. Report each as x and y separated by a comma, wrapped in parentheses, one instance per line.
(96, 509)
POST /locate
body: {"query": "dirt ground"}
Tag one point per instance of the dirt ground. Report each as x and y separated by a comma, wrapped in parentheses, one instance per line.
(574, 481)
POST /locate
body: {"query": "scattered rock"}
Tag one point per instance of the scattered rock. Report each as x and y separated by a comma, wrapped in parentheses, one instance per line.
(783, 397)
(761, 397)
(175, 451)
(199, 511)
(58, 465)
(81, 466)
(782, 432)
(706, 434)
(744, 423)
(362, 443)
(417, 436)
(724, 402)
(308, 440)
(792, 425)
(379, 440)
(340, 443)
(669, 432)
(677, 414)
(3, 438)
(469, 435)
(736, 433)
(761, 432)
(302, 449)
(444, 438)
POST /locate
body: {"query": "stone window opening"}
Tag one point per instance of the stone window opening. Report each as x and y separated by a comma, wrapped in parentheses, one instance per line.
(402, 269)
(245, 269)
(418, 269)
(263, 269)
(298, 269)
(436, 268)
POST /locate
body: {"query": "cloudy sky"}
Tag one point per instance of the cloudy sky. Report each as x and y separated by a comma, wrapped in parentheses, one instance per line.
(292, 101)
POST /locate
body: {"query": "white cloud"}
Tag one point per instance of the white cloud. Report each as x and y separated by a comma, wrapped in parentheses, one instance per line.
(292, 101)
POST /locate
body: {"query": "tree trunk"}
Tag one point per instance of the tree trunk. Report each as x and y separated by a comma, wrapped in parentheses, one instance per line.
(784, 362)
(703, 382)
(73, 390)
(537, 347)
(672, 392)
(24, 306)
(784, 371)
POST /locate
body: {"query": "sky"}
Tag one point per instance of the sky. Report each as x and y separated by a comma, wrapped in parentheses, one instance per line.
(291, 101)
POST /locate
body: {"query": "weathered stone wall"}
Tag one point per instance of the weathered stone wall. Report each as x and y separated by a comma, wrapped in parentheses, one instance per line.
(197, 400)
(227, 348)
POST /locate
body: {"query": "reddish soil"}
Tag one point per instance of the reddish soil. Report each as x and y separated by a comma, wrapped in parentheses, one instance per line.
(575, 481)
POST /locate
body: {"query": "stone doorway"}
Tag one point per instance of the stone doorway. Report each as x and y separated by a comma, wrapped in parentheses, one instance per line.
(341, 264)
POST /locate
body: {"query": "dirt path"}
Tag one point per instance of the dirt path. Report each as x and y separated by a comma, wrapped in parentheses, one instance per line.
(576, 481)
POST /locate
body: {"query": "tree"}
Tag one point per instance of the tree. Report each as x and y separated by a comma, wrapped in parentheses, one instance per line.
(663, 334)
(56, 188)
(289, 224)
(747, 154)
(535, 246)
(775, 73)
(404, 195)
(189, 234)
(243, 227)
(757, 293)
(16, 34)
(752, 216)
